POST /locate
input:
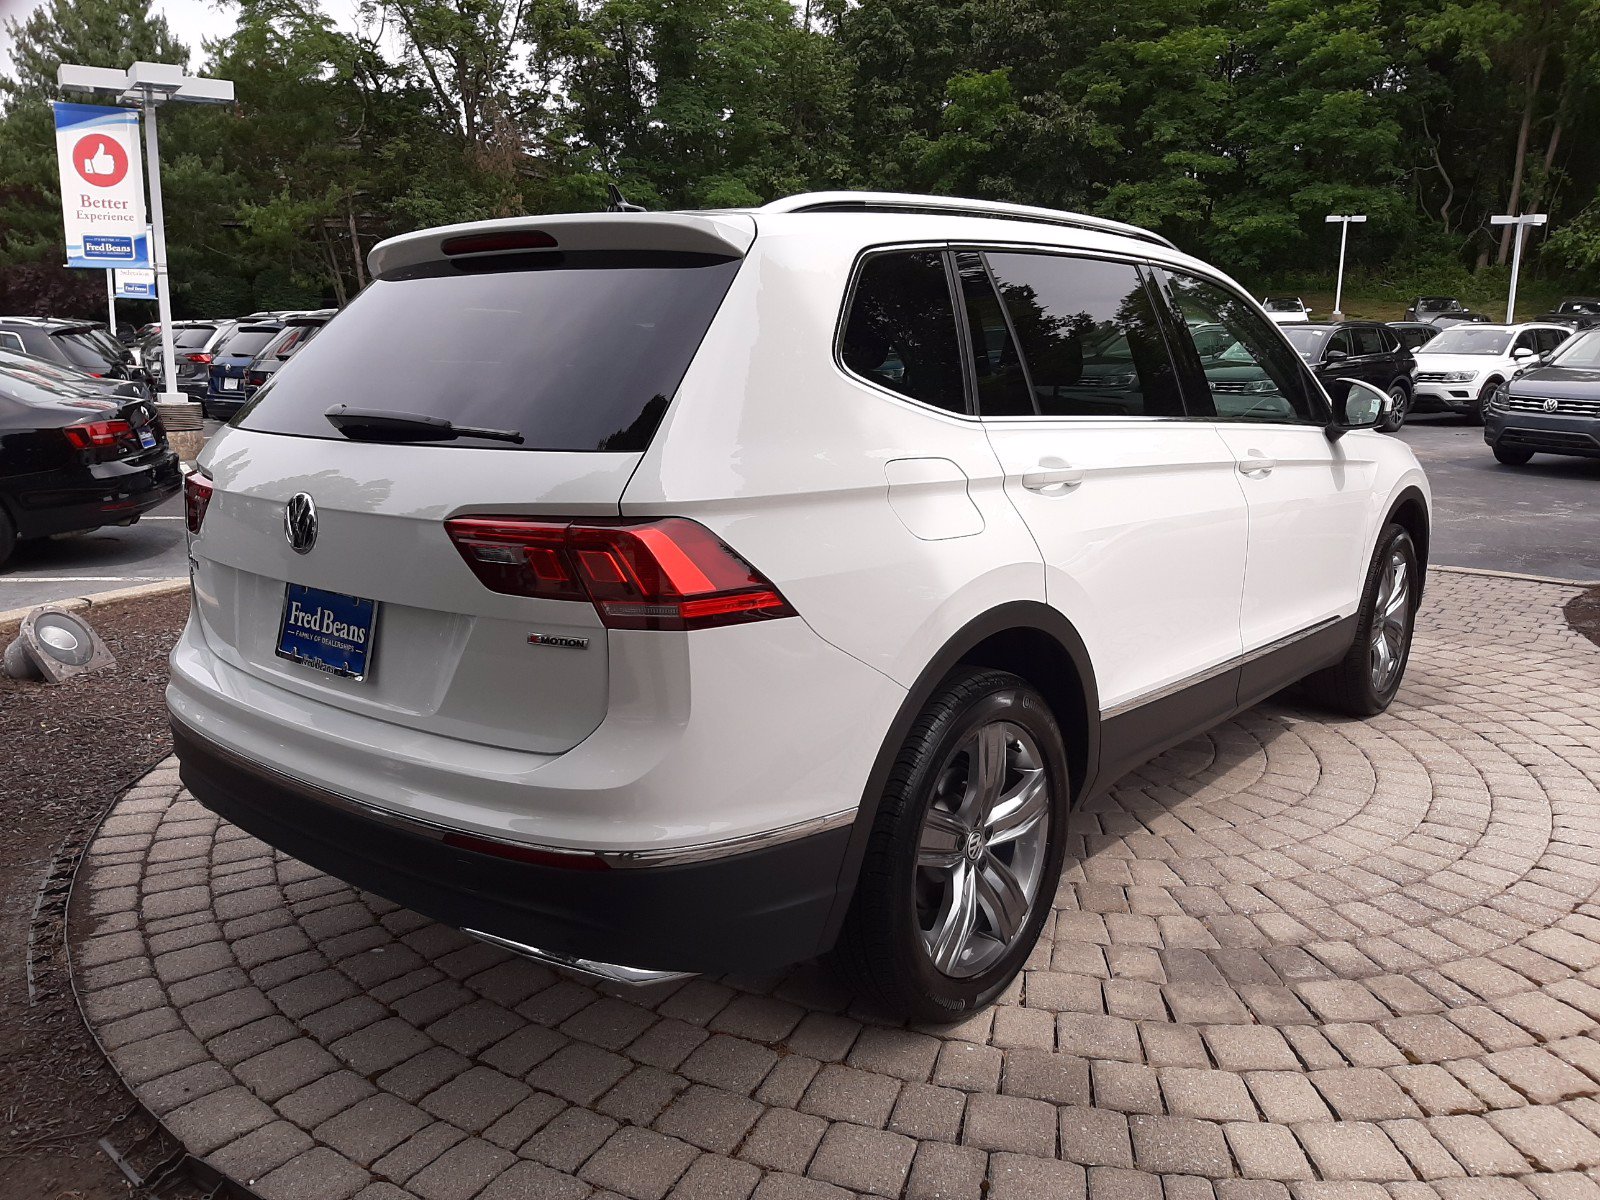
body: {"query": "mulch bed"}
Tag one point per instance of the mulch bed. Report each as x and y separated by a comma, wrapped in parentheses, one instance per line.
(70, 750)
(1583, 614)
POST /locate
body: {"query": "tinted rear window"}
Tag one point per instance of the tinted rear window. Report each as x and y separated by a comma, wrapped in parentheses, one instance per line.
(575, 351)
(248, 341)
(84, 351)
(192, 338)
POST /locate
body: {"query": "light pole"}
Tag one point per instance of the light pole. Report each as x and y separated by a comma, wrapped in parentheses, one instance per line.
(146, 85)
(1343, 220)
(1516, 253)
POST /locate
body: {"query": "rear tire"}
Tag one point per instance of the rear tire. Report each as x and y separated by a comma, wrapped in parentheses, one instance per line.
(1365, 680)
(965, 854)
(1512, 456)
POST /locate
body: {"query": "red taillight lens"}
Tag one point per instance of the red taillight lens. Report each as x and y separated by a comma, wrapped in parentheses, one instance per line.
(526, 854)
(98, 435)
(666, 574)
(197, 491)
(201, 358)
(255, 378)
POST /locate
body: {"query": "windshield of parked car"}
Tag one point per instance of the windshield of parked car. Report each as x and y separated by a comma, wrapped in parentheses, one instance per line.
(1272, 305)
(1307, 340)
(1581, 350)
(1469, 339)
(1586, 307)
(575, 350)
(1438, 304)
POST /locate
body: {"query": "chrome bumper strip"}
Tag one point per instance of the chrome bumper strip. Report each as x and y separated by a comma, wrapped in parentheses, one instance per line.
(609, 972)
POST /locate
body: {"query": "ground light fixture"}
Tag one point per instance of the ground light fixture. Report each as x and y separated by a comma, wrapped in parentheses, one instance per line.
(55, 645)
(147, 86)
(1516, 253)
(1344, 221)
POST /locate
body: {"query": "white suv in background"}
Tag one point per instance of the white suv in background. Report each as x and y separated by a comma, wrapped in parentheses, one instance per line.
(658, 593)
(1459, 369)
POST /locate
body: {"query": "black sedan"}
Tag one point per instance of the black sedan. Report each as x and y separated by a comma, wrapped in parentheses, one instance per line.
(1364, 350)
(1550, 408)
(71, 461)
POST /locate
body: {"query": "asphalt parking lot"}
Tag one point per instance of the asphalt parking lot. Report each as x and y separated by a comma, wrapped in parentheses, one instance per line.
(1541, 519)
(1297, 958)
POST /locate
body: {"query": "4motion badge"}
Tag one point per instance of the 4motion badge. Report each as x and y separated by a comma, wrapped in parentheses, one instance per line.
(564, 643)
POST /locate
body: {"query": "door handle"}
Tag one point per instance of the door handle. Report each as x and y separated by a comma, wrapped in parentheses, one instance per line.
(1256, 463)
(1052, 481)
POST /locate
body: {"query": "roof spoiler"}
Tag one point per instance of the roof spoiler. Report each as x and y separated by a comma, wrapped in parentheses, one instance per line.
(727, 234)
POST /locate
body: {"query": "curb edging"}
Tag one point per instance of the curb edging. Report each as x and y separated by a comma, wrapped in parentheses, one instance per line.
(10, 619)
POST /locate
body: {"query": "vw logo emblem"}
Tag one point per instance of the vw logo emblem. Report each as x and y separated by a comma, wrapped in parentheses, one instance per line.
(300, 523)
(974, 845)
(1551, 405)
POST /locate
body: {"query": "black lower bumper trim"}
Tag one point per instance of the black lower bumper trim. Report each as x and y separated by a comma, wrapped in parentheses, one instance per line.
(748, 912)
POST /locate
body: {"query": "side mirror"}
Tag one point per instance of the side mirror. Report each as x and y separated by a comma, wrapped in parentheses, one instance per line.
(1334, 356)
(1522, 352)
(1362, 407)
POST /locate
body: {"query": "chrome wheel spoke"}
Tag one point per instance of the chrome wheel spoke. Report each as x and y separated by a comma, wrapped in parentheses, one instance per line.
(943, 840)
(986, 772)
(1390, 619)
(1003, 900)
(953, 929)
(1020, 809)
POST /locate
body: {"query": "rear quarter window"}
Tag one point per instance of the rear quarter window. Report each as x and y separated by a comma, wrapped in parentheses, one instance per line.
(575, 351)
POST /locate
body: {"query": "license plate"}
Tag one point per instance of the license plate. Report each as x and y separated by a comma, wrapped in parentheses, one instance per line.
(327, 631)
(147, 439)
(230, 385)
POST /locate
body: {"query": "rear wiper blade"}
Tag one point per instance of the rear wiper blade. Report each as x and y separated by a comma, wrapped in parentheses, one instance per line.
(380, 425)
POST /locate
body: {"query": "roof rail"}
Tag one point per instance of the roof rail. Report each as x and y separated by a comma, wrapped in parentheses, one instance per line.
(905, 202)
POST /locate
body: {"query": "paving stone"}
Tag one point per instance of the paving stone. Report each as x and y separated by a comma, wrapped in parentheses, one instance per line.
(709, 1118)
(1095, 1137)
(461, 1172)
(944, 1172)
(213, 1120)
(1115, 1183)
(1045, 1075)
(527, 1180)
(369, 1129)
(712, 1178)
(1211, 1095)
(1020, 1177)
(1266, 1151)
(261, 1151)
(842, 1093)
(318, 1172)
(864, 1160)
(639, 1163)
(1010, 1123)
(1180, 1146)
(1352, 1151)
(476, 1099)
(783, 1140)
(567, 1141)
(1548, 1138)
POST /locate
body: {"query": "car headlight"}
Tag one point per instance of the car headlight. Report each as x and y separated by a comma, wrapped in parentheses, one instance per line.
(1261, 385)
(1460, 376)
(1499, 395)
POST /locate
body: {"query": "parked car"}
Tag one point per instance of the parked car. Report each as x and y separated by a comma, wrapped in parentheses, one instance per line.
(296, 332)
(1552, 407)
(1286, 310)
(1579, 312)
(194, 345)
(225, 394)
(1364, 350)
(654, 593)
(1459, 368)
(1431, 308)
(1414, 335)
(70, 461)
(52, 374)
(80, 345)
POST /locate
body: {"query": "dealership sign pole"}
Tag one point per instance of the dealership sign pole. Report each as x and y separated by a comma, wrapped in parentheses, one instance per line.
(1344, 221)
(143, 85)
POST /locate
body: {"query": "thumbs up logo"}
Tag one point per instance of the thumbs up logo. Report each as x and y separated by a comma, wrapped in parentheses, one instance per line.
(100, 160)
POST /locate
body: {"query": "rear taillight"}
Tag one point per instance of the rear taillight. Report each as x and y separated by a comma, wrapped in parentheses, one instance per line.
(255, 378)
(666, 574)
(202, 358)
(197, 491)
(99, 435)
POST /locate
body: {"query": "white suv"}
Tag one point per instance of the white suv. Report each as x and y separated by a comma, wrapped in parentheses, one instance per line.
(658, 593)
(1460, 369)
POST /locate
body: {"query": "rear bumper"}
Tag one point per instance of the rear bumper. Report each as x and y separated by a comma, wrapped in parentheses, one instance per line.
(1553, 434)
(105, 494)
(745, 912)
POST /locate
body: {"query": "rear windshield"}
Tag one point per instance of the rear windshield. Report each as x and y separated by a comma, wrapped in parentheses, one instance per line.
(84, 351)
(575, 351)
(195, 335)
(248, 341)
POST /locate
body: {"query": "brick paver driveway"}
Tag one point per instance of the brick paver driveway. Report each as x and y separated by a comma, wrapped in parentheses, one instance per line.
(1331, 958)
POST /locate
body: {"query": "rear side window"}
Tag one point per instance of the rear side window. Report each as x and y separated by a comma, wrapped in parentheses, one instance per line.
(83, 351)
(901, 331)
(1367, 340)
(1089, 336)
(574, 350)
(10, 341)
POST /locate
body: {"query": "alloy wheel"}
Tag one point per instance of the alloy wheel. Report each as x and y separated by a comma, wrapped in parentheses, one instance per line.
(1390, 619)
(982, 849)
